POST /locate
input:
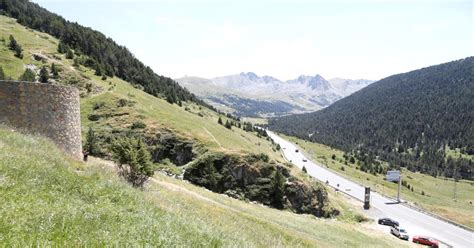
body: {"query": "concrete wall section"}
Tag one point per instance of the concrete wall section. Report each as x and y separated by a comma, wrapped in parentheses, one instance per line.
(50, 110)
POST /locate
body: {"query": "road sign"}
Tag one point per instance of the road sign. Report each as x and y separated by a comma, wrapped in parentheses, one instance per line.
(367, 198)
(392, 176)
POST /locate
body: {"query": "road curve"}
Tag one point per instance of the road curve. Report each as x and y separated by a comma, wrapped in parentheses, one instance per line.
(415, 222)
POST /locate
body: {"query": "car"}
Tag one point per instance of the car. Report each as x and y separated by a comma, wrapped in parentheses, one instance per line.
(388, 222)
(399, 232)
(296, 150)
(424, 240)
(304, 160)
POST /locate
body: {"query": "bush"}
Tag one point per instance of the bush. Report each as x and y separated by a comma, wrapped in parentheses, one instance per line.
(93, 117)
(91, 146)
(138, 125)
(304, 169)
(134, 160)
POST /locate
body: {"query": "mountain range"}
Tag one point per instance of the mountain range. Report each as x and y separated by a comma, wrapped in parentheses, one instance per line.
(247, 94)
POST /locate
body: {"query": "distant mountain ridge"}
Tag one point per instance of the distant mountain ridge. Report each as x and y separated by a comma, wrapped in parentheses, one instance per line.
(248, 94)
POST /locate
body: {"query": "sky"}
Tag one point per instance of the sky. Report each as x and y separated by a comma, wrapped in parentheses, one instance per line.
(349, 39)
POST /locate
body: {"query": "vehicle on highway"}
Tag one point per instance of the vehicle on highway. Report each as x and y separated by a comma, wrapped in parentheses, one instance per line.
(296, 150)
(388, 222)
(399, 232)
(304, 160)
(426, 241)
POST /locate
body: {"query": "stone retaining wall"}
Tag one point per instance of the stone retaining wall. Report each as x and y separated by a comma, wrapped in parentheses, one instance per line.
(49, 110)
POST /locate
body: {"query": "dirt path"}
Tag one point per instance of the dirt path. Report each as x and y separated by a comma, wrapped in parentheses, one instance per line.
(93, 161)
(214, 138)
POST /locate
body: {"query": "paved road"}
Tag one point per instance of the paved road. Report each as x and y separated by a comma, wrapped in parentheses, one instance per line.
(416, 223)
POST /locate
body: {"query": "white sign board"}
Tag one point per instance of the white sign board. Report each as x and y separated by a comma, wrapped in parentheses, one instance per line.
(393, 176)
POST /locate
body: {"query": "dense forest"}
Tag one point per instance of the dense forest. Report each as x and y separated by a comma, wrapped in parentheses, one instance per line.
(105, 55)
(413, 120)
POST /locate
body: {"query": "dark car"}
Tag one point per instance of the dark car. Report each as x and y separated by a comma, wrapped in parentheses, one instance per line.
(388, 222)
(426, 241)
(296, 150)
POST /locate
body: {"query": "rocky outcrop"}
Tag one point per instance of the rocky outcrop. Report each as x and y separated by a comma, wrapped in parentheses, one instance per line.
(254, 178)
(169, 146)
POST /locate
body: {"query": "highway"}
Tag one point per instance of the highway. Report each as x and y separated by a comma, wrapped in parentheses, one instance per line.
(415, 222)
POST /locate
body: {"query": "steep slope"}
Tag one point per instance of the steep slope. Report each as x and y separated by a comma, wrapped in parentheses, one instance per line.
(50, 200)
(176, 135)
(411, 120)
(247, 94)
(103, 55)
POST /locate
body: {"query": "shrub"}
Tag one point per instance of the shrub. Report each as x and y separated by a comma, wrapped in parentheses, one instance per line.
(304, 169)
(133, 159)
(138, 125)
(91, 146)
(93, 117)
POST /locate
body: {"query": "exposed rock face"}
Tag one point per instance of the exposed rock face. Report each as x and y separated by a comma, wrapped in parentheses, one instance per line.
(254, 178)
(167, 145)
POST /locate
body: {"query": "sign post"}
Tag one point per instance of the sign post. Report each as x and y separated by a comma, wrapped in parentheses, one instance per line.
(367, 198)
(399, 186)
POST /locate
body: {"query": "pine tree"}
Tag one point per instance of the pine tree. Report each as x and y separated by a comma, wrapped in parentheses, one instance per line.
(278, 190)
(91, 146)
(220, 121)
(28, 76)
(98, 71)
(54, 70)
(304, 169)
(62, 48)
(228, 125)
(19, 52)
(69, 54)
(13, 43)
(2, 74)
(44, 75)
(133, 159)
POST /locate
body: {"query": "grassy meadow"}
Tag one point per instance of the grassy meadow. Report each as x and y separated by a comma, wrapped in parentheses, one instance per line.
(51, 200)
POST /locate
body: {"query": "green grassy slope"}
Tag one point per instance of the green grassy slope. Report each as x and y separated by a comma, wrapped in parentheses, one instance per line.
(48, 199)
(439, 192)
(153, 111)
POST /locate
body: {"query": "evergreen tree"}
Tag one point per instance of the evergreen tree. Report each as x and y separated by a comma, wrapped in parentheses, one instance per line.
(54, 70)
(133, 159)
(69, 54)
(2, 74)
(44, 75)
(62, 48)
(304, 169)
(98, 71)
(278, 190)
(228, 125)
(13, 43)
(91, 146)
(19, 52)
(220, 121)
(28, 76)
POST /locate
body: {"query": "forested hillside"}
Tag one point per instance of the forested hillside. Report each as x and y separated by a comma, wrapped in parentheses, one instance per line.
(417, 120)
(104, 55)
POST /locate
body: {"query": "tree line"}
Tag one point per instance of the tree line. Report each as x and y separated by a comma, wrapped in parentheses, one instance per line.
(410, 120)
(104, 55)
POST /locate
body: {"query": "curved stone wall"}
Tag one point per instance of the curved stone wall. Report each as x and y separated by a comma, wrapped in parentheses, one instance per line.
(50, 110)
